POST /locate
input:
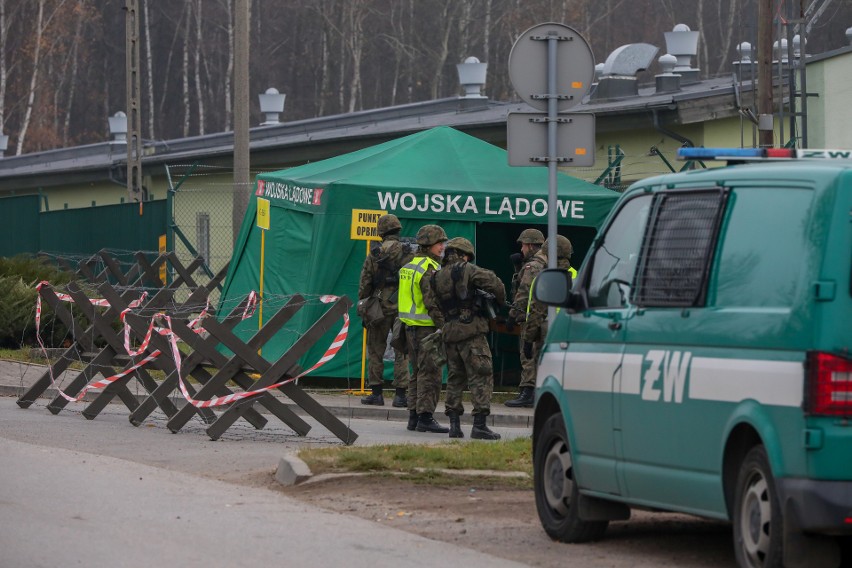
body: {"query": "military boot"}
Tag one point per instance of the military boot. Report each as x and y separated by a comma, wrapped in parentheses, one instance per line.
(455, 425)
(399, 399)
(525, 399)
(412, 420)
(480, 430)
(374, 399)
(426, 423)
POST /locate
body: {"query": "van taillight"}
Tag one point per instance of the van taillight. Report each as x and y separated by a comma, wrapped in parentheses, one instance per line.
(829, 384)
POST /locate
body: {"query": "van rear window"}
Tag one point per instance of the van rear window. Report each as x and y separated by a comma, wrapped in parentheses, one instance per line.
(677, 248)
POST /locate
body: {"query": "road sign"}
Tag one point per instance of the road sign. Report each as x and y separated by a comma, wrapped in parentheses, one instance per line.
(263, 213)
(527, 139)
(528, 66)
(364, 225)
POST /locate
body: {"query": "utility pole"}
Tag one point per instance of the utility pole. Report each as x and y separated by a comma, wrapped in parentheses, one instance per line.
(765, 122)
(134, 120)
(242, 12)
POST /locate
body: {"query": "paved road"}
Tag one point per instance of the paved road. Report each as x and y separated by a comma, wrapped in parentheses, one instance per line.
(105, 493)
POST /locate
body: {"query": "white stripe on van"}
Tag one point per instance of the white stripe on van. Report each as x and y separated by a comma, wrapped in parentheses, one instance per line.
(777, 383)
(590, 372)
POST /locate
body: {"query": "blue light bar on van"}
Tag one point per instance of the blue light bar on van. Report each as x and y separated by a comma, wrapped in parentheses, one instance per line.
(743, 154)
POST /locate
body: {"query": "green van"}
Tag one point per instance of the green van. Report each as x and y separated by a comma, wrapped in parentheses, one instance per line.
(701, 362)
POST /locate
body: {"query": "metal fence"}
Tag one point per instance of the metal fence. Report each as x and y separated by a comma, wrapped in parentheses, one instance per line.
(79, 232)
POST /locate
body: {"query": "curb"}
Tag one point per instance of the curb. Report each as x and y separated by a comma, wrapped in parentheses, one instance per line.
(342, 411)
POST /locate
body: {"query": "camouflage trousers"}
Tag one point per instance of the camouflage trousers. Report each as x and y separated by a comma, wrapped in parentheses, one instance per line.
(469, 366)
(529, 367)
(424, 386)
(377, 345)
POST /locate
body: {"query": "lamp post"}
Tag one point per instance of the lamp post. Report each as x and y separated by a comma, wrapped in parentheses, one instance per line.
(118, 127)
(271, 105)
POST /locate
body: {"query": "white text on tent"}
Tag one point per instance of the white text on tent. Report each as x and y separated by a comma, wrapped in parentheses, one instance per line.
(463, 204)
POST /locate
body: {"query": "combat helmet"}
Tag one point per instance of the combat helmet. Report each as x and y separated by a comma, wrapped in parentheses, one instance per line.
(564, 248)
(462, 245)
(531, 237)
(388, 223)
(428, 235)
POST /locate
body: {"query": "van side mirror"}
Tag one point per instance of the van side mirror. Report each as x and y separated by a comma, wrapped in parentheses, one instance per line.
(552, 287)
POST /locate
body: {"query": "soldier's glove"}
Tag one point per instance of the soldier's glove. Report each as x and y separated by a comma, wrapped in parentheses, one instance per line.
(528, 350)
(510, 323)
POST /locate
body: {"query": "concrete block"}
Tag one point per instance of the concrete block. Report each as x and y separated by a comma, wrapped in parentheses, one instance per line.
(292, 471)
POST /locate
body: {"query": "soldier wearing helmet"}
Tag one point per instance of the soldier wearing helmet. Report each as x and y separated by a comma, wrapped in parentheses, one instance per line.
(456, 290)
(419, 321)
(534, 261)
(535, 329)
(380, 278)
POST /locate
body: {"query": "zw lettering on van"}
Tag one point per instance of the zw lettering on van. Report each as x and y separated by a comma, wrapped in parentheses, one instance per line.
(825, 154)
(665, 375)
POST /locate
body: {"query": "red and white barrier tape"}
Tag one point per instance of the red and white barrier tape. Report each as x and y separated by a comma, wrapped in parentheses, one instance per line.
(329, 354)
(167, 332)
(97, 302)
(249, 309)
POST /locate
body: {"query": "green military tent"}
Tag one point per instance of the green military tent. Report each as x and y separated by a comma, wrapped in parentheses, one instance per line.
(437, 176)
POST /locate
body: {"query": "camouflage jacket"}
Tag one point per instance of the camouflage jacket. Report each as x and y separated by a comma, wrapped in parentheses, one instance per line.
(380, 273)
(526, 275)
(453, 291)
(536, 327)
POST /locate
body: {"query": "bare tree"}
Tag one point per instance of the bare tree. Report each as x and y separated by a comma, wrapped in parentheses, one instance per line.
(197, 60)
(185, 72)
(149, 66)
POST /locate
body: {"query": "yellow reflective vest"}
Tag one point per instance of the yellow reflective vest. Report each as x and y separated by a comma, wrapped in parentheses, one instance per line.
(412, 310)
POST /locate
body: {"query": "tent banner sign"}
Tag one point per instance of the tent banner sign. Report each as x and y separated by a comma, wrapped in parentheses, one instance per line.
(365, 225)
(500, 207)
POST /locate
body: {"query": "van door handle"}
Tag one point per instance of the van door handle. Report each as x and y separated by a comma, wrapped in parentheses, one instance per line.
(614, 325)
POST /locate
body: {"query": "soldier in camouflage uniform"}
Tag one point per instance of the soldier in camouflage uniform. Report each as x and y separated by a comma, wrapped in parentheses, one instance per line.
(424, 387)
(535, 260)
(535, 331)
(454, 291)
(380, 278)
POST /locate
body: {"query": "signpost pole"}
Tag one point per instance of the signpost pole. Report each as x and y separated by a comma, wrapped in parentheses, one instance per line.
(364, 346)
(552, 124)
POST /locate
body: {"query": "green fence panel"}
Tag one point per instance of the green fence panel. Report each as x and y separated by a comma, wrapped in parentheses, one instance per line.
(19, 225)
(90, 229)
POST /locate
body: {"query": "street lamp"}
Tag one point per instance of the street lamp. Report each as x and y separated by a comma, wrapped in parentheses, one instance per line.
(271, 104)
(118, 127)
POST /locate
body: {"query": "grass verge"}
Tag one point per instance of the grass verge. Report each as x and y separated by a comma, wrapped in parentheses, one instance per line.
(424, 464)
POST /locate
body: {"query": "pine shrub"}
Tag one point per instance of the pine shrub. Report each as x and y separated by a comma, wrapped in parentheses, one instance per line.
(19, 276)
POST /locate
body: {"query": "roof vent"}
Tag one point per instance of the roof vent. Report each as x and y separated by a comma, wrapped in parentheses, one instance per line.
(683, 44)
(118, 126)
(618, 78)
(472, 77)
(779, 51)
(271, 105)
(798, 48)
(743, 67)
(4, 143)
(667, 81)
(849, 36)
